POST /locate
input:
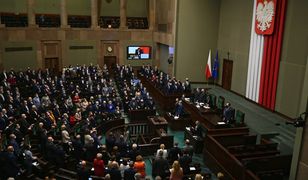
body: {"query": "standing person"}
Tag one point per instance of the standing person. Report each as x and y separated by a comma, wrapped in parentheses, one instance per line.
(65, 138)
(98, 165)
(162, 148)
(185, 161)
(174, 153)
(188, 148)
(129, 174)
(176, 171)
(28, 159)
(160, 166)
(139, 166)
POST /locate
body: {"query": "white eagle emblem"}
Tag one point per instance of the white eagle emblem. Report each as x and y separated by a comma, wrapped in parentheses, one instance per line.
(265, 13)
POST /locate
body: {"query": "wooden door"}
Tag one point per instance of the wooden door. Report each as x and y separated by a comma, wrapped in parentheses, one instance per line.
(51, 55)
(227, 74)
(52, 64)
(110, 61)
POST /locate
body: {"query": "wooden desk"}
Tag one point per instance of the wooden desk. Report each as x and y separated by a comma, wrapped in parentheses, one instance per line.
(178, 124)
(158, 122)
(140, 115)
(196, 142)
(210, 118)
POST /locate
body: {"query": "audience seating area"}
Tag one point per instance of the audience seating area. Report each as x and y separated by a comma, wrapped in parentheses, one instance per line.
(51, 125)
(109, 22)
(48, 20)
(79, 21)
(137, 23)
(14, 20)
(75, 21)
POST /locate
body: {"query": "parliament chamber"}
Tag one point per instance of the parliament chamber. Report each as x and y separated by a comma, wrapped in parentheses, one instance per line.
(153, 89)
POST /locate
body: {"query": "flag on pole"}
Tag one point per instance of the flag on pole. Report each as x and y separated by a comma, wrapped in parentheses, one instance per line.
(208, 69)
(215, 67)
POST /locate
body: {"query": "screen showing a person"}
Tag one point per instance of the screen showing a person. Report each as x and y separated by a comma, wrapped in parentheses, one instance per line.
(138, 52)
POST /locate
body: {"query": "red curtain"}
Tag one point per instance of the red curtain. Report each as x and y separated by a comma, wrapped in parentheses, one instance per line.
(271, 59)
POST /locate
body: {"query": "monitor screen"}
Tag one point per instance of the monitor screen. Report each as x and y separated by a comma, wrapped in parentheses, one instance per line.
(138, 52)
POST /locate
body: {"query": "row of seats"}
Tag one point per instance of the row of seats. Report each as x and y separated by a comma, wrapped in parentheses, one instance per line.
(109, 22)
(53, 20)
(47, 20)
(79, 21)
(14, 20)
(137, 23)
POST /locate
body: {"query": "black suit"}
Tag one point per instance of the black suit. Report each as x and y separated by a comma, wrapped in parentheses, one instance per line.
(10, 167)
(83, 174)
(174, 154)
(160, 167)
(228, 114)
(185, 161)
(114, 174)
(129, 174)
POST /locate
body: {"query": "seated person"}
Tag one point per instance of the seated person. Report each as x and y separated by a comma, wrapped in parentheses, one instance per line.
(228, 113)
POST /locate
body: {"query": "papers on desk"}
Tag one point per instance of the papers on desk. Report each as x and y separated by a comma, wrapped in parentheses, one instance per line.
(187, 99)
(176, 117)
(221, 123)
(35, 163)
(192, 168)
(198, 106)
(188, 128)
(206, 107)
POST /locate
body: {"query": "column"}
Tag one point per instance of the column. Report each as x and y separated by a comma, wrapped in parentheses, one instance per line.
(94, 15)
(1, 25)
(63, 14)
(151, 15)
(123, 4)
(31, 14)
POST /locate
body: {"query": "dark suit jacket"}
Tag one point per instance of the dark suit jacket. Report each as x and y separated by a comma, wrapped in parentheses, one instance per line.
(159, 167)
(129, 174)
(185, 161)
(114, 174)
(174, 154)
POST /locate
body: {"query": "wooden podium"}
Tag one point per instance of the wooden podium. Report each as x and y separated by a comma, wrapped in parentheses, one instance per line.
(158, 122)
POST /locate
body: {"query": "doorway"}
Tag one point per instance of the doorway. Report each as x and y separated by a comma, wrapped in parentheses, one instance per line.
(51, 52)
(227, 74)
(52, 64)
(110, 61)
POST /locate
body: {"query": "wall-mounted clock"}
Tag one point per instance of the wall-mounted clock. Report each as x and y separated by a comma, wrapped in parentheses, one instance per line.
(109, 49)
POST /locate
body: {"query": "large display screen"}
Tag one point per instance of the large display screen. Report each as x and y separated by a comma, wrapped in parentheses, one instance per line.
(138, 52)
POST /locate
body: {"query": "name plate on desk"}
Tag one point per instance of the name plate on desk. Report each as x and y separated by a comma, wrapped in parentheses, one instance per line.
(221, 123)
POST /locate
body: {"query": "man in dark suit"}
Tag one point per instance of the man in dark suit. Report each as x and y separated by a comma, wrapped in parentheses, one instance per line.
(82, 171)
(114, 171)
(228, 113)
(185, 161)
(198, 130)
(129, 174)
(188, 148)
(160, 166)
(179, 109)
(174, 153)
(10, 167)
(78, 148)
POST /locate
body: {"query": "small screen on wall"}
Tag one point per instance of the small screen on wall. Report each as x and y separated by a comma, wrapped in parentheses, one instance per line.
(138, 52)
